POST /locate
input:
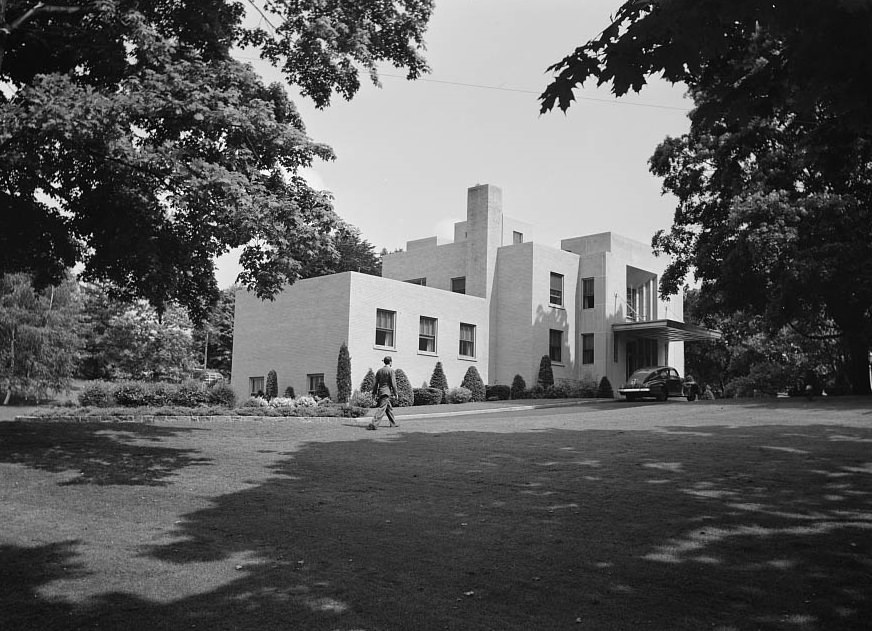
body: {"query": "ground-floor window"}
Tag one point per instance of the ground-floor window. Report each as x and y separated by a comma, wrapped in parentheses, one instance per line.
(384, 327)
(255, 386)
(315, 382)
(555, 345)
(467, 340)
(587, 348)
(427, 335)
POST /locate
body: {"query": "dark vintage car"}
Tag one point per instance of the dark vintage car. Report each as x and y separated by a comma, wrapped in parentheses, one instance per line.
(659, 382)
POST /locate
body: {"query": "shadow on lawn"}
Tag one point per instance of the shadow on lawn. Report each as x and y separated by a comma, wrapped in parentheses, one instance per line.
(96, 453)
(538, 530)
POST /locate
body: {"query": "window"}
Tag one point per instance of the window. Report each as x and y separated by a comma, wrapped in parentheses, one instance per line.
(467, 340)
(384, 327)
(555, 345)
(458, 285)
(315, 382)
(587, 293)
(427, 335)
(587, 348)
(255, 385)
(517, 237)
(418, 281)
(632, 297)
(556, 297)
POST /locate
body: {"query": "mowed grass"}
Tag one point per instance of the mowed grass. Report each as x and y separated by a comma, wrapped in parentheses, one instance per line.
(602, 516)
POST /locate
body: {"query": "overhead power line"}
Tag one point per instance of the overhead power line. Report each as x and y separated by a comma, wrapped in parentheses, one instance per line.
(537, 93)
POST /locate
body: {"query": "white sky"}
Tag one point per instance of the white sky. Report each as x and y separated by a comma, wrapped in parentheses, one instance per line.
(407, 152)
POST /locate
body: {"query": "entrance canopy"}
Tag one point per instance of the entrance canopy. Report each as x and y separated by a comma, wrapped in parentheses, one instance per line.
(667, 330)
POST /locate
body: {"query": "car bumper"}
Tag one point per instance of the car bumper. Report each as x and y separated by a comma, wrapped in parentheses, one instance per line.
(639, 392)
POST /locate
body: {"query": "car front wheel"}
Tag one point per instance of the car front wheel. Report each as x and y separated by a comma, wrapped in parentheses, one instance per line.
(662, 395)
(691, 396)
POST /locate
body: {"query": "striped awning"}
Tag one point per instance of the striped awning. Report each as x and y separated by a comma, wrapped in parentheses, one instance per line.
(666, 330)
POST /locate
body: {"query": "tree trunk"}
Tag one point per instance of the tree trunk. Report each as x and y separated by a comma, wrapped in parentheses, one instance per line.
(11, 369)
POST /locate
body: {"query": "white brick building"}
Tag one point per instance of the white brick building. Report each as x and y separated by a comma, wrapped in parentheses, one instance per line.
(492, 298)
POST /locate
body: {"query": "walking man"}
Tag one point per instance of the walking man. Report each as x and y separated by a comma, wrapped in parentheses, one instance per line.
(385, 387)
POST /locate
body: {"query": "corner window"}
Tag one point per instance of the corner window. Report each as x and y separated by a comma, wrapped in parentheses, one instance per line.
(315, 382)
(458, 285)
(555, 345)
(384, 327)
(467, 340)
(418, 281)
(587, 348)
(517, 237)
(256, 386)
(556, 296)
(427, 335)
(587, 293)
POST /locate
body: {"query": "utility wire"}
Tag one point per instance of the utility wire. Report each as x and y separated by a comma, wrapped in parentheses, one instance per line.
(524, 91)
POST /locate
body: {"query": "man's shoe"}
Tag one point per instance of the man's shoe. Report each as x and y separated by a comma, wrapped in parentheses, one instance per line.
(370, 426)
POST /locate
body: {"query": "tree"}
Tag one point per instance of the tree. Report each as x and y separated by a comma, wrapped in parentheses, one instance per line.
(343, 375)
(546, 374)
(133, 144)
(773, 179)
(519, 387)
(472, 381)
(440, 381)
(213, 337)
(271, 388)
(133, 341)
(352, 253)
(38, 336)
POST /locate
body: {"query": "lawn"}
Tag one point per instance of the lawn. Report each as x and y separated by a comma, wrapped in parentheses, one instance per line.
(607, 515)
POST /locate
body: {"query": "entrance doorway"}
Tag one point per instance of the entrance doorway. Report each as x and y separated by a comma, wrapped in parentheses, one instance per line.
(641, 353)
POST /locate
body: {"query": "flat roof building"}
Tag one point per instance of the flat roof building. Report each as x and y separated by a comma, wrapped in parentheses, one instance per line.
(493, 298)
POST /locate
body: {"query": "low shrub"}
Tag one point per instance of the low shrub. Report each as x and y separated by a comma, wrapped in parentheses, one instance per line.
(131, 394)
(254, 402)
(323, 392)
(289, 392)
(536, 392)
(97, 394)
(405, 393)
(428, 396)
(459, 395)
(497, 392)
(189, 394)
(283, 402)
(361, 399)
(221, 394)
(306, 401)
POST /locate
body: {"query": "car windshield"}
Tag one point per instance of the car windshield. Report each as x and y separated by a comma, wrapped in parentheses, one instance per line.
(641, 375)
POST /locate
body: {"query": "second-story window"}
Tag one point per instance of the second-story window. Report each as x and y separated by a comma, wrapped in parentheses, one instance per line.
(587, 293)
(517, 237)
(556, 295)
(418, 281)
(384, 327)
(458, 285)
(427, 335)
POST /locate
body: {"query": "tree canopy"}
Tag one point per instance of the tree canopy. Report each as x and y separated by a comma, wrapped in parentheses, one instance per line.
(134, 145)
(774, 178)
